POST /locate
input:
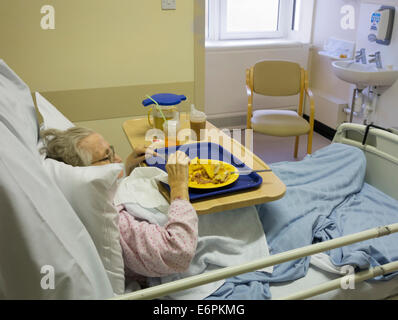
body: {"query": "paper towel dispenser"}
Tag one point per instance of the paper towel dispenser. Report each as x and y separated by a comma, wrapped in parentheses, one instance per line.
(382, 24)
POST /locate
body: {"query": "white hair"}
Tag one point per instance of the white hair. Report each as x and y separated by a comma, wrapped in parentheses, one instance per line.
(65, 145)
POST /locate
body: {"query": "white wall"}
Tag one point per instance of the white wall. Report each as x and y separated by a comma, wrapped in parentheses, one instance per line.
(327, 24)
(225, 85)
(387, 110)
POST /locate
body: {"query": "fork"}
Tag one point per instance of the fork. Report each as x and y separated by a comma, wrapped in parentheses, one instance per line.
(251, 171)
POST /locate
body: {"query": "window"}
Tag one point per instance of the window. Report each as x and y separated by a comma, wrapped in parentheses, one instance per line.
(250, 19)
(296, 15)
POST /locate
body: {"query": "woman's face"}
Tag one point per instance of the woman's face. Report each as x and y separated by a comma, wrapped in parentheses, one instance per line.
(102, 153)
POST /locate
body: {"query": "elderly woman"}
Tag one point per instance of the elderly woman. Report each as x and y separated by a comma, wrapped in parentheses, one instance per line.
(148, 250)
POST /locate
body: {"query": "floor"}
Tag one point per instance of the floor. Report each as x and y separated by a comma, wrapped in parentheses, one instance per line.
(276, 149)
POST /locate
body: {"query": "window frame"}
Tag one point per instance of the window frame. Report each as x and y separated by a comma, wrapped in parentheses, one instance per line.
(217, 23)
(296, 19)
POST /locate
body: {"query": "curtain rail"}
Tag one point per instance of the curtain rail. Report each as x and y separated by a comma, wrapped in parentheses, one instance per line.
(198, 280)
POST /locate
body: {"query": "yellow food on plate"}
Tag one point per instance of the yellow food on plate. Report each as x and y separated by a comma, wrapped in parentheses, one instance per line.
(207, 171)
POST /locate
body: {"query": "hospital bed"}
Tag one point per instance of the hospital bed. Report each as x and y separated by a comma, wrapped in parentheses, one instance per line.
(379, 148)
(50, 250)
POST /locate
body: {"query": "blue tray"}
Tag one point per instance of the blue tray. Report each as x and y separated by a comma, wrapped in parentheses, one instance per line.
(207, 150)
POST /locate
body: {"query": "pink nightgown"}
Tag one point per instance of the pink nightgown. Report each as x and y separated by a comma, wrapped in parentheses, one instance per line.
(151, 250)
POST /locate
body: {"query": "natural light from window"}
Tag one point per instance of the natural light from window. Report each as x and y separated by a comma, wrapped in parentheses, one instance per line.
(296, 15)
(236, 21)
(252, 15)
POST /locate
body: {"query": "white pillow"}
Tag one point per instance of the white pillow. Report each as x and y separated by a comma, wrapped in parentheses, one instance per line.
(52, 118)
(41, 237)
(90, 192)
(17, 110)
(38, 227)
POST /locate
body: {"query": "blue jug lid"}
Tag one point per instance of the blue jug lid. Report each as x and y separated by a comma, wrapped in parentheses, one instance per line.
(164, 99)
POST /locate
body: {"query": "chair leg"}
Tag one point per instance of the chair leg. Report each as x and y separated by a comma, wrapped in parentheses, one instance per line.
(309, 143)
(296, 146)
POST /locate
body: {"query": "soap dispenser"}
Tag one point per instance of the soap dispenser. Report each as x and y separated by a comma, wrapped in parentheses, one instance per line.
(381, 25)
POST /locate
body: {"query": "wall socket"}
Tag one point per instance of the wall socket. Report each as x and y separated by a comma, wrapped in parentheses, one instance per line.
(169, 5)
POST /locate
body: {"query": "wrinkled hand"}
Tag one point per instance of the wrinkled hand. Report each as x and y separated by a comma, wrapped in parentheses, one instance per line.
(138, 156)
(177, 169)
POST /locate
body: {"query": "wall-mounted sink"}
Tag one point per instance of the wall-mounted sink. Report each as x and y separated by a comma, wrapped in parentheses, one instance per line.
(364, 75)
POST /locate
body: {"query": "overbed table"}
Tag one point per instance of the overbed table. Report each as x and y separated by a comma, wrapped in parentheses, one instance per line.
(271, 189)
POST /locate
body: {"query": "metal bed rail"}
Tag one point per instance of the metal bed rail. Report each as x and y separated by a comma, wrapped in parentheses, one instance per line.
(198, 280)
(337, 283)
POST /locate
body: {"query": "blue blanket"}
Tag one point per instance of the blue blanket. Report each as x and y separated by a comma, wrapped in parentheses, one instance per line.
(326, 198)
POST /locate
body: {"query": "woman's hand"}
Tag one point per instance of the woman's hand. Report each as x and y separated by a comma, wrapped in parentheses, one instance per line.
(177, 168)
(138, 156)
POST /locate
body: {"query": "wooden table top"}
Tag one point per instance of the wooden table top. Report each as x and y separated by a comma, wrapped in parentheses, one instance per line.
(271, 189)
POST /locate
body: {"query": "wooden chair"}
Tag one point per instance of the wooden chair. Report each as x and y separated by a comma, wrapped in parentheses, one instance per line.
(280, 78)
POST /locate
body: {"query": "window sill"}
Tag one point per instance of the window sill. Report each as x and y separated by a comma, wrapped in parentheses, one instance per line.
(251, 44)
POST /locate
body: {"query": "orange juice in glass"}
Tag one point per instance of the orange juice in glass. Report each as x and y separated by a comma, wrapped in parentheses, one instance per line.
(171, 129)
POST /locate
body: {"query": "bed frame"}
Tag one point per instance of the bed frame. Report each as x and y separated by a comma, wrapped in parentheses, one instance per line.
(380, 147)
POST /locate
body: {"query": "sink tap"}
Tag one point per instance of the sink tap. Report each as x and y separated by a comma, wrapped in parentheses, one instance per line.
(361, 56)
(376, 58)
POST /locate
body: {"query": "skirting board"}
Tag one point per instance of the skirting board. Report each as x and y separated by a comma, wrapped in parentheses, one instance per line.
(322, 129)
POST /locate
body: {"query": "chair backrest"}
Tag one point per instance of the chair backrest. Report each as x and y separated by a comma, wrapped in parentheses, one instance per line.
(277, 78)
